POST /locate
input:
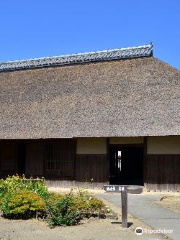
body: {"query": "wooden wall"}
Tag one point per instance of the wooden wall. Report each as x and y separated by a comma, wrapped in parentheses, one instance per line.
(34, 159)
(8, 158)
(163, 172)
(53, 159)
(91, 160)
(59, 159)
(92, 166)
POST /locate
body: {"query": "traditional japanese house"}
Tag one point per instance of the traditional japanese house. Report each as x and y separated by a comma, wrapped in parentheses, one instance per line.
(104, 117)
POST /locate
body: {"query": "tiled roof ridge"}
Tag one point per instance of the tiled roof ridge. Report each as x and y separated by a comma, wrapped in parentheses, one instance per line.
(105, 55)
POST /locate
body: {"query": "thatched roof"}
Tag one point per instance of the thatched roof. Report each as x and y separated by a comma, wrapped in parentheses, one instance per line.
(132, 96)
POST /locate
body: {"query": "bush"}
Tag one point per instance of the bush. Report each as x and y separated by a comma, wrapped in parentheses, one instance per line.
(71, 208)
(3, 188)
(85, 202)
(23, 204)
(14, 183)
(24, 198)
(54, 198)
(61, 212)
(95, 204)
(3, 191)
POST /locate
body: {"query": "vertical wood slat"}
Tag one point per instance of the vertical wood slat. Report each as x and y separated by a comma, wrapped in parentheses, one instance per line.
(91, 166)
(34, 159)
(59, 159)
(163, 172)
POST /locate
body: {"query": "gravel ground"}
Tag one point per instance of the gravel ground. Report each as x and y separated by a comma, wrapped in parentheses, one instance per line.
(93, 229)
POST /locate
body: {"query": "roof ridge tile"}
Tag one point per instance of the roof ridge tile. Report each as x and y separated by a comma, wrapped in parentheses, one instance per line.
(105, 55)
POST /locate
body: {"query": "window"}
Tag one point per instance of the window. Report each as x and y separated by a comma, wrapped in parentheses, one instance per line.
(59, 158)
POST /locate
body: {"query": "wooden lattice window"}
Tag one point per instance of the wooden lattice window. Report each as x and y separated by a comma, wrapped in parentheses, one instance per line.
(60, 158)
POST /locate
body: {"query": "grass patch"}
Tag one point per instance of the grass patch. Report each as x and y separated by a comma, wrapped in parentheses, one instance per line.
(170, 202)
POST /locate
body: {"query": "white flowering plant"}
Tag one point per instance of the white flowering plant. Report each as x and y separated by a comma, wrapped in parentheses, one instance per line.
(16, 182)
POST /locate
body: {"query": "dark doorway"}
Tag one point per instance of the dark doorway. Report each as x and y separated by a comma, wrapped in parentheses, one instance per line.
(21, 158)
(126, 165)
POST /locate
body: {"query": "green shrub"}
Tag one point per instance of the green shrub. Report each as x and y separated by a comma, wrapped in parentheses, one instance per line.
(54, 198)
(14, 183)
(95, 204)
(61, 213)
(71, 208)
(85, 202)
(3, 188)
(23, 204)
(26, 198)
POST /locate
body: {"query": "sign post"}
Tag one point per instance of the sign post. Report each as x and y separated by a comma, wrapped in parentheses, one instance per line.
(123, 191)
(124, 208)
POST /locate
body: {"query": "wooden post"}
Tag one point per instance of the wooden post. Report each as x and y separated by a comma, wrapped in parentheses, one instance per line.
(124, 208)
(124, 190)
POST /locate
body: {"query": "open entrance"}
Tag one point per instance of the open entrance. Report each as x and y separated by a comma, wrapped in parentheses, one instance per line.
(126, 165)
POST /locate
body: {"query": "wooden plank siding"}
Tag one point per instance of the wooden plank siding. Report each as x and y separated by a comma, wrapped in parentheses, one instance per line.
(53, 159)
(163, 172)
(8, 158)
(59, 159)
(34, 159)
(92, 166)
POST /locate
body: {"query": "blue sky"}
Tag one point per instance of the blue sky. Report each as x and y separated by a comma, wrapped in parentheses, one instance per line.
(39, 28)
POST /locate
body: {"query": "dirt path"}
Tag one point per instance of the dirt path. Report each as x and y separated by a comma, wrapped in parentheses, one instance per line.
(93, 229)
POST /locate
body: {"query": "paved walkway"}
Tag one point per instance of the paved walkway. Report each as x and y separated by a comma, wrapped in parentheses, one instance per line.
(143, 208)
